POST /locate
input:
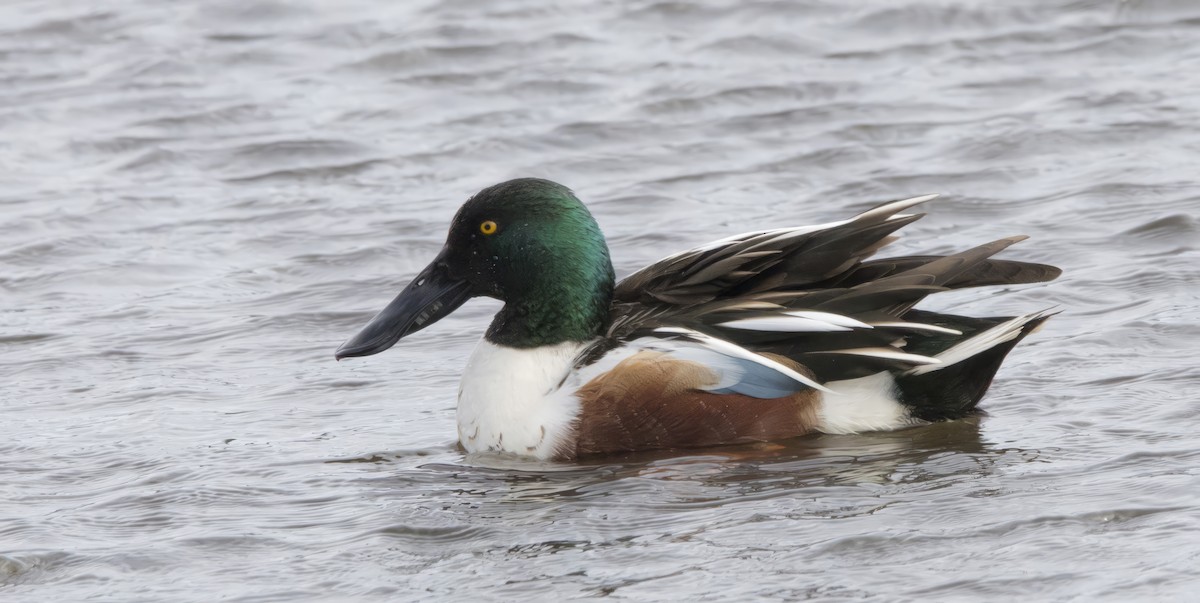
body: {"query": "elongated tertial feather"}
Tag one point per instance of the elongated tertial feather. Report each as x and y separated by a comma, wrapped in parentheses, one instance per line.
(891, 209)
(916, 326)
(782, 323)
(886, 354)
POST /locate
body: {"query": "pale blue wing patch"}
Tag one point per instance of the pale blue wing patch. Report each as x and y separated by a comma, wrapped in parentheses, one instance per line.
(738, 370)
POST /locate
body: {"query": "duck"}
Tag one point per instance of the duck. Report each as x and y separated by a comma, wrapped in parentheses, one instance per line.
(756, 337)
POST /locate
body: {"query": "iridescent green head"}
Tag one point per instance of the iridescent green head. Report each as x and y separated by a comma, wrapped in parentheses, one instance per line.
(527, 242)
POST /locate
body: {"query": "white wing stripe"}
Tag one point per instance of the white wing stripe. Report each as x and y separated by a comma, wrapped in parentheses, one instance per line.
(887, 354)
(737, 351)
(782, 324)
(916, 326)
(829, 317)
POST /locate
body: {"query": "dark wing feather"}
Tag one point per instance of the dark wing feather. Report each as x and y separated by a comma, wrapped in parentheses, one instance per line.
(734, 265)
(982, 274)
(828, 306)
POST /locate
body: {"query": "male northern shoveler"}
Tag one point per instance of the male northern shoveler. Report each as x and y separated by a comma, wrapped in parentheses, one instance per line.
(759, 336)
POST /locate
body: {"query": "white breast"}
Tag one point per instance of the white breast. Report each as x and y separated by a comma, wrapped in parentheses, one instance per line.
(518, 400)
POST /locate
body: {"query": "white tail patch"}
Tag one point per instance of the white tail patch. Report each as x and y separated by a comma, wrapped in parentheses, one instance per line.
(982, 342)
(864, 404)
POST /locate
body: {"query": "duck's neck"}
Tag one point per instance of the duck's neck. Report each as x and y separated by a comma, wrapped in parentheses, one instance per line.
(559, 309)
(566, 297)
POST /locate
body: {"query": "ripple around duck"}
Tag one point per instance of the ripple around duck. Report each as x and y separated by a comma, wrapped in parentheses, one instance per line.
(749, 100)
(1175, 228)
(203, 200)
(466, 58)
(294, 157)
(760, 46)
(207, 121)
(430, 535)
(32, 567)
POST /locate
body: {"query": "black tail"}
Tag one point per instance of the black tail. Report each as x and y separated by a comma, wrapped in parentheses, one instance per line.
(951, 390)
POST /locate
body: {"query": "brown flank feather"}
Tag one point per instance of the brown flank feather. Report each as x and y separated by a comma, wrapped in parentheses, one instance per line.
(653, 401)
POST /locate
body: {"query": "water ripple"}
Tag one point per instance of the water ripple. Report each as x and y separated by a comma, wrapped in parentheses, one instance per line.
(202, 200)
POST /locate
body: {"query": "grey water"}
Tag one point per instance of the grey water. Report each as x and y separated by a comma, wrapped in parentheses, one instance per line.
(200, 200)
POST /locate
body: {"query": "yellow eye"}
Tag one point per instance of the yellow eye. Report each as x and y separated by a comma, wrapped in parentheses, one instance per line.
(488, 227)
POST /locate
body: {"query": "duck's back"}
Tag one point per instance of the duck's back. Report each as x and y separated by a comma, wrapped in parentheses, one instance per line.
(811, 302)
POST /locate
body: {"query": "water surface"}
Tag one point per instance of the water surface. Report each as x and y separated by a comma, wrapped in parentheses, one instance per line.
(200, 200)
